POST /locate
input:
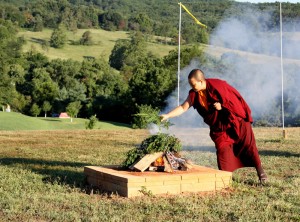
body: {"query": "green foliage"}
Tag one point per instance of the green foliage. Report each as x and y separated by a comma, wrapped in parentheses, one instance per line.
(38, 23)
(128, 52)
(35, 110)
(186, 55)
(157, 143)
(153, 19)
(141, 22)
(151, 82)
(112, 21)
(161, 143)
(43, 88)
(146, 192)
(147, 115)
(58, 38)
(73, 109)
(11, 70)
(118, 54)
(46, 107)
(86, 38)
(91, 123)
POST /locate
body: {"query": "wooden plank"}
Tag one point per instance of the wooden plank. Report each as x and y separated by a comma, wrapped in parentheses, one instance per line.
(145, 162)
(168, 167)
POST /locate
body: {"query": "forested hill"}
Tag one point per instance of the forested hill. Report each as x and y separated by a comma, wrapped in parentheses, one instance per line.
(133, 80)
(151, 17)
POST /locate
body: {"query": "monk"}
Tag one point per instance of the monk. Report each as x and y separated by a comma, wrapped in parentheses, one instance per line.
(229, 117)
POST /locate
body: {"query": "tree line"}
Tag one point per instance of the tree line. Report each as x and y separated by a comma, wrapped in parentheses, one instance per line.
(132, 81)
(153, 17)
(112, 90)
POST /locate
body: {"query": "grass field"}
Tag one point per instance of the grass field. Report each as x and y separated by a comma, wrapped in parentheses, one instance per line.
(104, 42)
(17, 121)
(41, 179)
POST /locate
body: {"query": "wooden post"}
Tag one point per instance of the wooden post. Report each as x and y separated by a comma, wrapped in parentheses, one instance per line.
(284, 133)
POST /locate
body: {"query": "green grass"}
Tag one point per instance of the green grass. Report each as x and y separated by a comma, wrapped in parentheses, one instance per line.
(104, 42)
(41, 179)
(18, 121)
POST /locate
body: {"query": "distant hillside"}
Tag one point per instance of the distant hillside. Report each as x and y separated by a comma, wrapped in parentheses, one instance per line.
(104, 42)
(154, 17)
(17, 121)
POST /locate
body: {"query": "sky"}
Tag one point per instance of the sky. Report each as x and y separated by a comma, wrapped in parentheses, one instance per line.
(257, 1)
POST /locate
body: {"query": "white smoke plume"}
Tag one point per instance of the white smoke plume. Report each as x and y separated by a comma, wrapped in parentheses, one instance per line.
(252, 66)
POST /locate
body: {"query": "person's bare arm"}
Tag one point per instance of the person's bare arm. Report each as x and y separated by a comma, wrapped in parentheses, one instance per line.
(178, 110)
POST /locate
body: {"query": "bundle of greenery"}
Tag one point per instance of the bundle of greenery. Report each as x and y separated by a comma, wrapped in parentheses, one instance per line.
(156, 143)
(160, 142)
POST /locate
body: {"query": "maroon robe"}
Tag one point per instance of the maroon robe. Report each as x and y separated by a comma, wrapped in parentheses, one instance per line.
(230, 128)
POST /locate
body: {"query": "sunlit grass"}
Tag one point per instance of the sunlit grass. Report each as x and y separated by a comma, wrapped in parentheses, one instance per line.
(18, 121)
(41, 179)
(104, 42)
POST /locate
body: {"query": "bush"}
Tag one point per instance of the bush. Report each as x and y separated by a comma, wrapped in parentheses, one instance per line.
(91, 123)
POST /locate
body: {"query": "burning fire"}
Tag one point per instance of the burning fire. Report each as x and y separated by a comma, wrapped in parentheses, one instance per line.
(159, 162)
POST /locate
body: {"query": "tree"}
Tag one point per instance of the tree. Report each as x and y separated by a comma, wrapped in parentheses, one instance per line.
(141, 22)
(86, 38)
(186, 55)
(151, 82)
(46, 107)
(35, 110)
(111, 21)
(127, 52)
(73, 109)
(38, 23)
(58, 38)
(117, 56)
(11, 73)
(43, 87)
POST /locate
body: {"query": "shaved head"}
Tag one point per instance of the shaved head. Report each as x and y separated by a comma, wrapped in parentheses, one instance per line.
(197, 74)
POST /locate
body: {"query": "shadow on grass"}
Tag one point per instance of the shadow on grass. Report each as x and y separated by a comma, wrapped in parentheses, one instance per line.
(52, 171)
(278, 153)
(37, 40)
(51, 119)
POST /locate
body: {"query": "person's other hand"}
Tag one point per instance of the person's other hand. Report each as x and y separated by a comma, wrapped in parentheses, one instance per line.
(217, 106)
(163, 117)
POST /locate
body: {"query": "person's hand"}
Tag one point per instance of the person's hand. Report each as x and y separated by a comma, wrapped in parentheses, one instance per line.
(164, 117)
(217, 106)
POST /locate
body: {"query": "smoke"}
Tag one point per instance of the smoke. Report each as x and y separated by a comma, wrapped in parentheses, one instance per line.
(153, 128)
(248, 59)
